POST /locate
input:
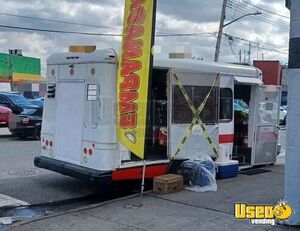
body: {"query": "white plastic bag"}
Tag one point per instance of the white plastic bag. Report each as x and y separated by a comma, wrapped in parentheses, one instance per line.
(200, 174)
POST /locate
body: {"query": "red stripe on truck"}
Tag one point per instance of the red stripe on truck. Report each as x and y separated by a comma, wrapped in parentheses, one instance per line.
(136, 173)
(228, 138)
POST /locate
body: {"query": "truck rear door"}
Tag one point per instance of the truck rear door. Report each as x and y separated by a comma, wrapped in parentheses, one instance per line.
(70, 96)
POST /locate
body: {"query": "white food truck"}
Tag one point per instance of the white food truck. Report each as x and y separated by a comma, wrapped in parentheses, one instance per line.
(79, 131)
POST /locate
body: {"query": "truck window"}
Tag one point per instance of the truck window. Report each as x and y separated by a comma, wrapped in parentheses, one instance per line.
(182, 113)
(226, 105)
(93, 104)
(92, 92)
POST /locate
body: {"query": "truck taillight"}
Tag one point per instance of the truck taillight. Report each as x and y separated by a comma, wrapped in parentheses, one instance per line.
(25, 121)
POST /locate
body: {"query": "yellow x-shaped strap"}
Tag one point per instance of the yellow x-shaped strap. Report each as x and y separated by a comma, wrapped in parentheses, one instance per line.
(196, 119)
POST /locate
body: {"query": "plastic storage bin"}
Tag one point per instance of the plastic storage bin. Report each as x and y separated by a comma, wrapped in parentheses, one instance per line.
(227, 169)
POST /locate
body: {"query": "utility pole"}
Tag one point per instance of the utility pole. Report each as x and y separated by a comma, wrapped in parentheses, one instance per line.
(292, 157)
(221, 26)
(10, 52)
(240, 56)
(249, 54)
(257, 51)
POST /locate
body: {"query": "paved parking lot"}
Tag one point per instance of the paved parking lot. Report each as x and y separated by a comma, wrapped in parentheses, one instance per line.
(21, 180)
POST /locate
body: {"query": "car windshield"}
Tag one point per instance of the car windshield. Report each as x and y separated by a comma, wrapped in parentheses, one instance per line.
(19, 100)
(37, 102)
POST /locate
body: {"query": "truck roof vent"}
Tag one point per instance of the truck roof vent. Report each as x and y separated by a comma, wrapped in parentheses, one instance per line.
(72, 57)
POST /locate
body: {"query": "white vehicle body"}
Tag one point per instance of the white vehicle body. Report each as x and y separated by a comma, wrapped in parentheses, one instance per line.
(282, 114)
(79, 131)
(5, 87)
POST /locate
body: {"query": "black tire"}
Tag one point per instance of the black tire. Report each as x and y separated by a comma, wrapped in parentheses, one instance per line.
(37, 133)
(284, 121)
(22, 136)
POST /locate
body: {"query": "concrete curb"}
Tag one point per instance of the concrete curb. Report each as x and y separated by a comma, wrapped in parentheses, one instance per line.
(83, 208)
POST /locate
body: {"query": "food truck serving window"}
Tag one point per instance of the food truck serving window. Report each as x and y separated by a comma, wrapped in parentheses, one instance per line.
(182, 114)
(226, 105)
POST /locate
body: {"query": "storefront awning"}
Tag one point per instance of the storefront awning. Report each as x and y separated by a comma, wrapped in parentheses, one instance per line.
(21, 77)
(247, 80)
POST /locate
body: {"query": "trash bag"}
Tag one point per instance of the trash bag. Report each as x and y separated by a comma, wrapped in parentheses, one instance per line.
(199, 175)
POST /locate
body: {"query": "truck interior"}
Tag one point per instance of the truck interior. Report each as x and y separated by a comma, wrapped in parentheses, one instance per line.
(241, 149)
(156, 132)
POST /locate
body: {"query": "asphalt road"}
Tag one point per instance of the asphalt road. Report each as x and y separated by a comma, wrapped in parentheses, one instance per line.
(21, 180)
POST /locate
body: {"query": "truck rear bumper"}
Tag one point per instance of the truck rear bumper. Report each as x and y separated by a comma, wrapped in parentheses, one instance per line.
(72, 170)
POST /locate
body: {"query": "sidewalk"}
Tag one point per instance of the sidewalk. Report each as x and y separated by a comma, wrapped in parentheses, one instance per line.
(179, 211)
(4, 131)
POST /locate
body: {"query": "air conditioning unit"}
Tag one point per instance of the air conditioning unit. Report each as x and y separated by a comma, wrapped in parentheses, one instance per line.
(15, 52)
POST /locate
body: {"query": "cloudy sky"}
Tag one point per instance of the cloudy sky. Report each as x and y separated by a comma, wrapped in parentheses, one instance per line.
(267, 33)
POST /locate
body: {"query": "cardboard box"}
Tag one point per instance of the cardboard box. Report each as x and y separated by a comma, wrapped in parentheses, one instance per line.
(167, 183)
(82, 49)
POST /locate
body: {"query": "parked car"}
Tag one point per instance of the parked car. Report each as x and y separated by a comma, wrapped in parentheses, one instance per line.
(4, 114)
(16, 102)
(27, 123)
(38, 101)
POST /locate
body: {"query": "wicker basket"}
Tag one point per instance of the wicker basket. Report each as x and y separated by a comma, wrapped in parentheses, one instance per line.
(167, 183)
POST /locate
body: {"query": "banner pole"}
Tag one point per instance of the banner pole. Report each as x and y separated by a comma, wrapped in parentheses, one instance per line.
(143, 183)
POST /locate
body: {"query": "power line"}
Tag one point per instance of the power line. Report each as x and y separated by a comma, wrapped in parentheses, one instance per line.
(59, 31)
(270, 12)
(244, 7)
(104, 34)
(57, 21)
(210, 34)
(236, 8)
(90, 25)
(231, 3)
(263, 46)
(247, 44)
(265, 19)
(266, 47)
(234, 14)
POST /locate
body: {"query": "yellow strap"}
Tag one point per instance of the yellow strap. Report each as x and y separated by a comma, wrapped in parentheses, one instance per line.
(196, 119)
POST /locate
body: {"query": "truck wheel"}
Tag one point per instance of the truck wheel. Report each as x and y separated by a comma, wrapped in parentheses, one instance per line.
(284, 121)
(37, 133)
(175, 167)
(22, 136)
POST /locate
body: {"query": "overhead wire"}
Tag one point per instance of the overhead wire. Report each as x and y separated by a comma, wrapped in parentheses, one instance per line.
(119, 35)
(268, 11)
(264, 15)
(234, 14)
(263, 18)
(210, 34)
(245, 9)
(251, 5)
(58, 21)
(263, 46)
(59, 31)
(232, 4)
